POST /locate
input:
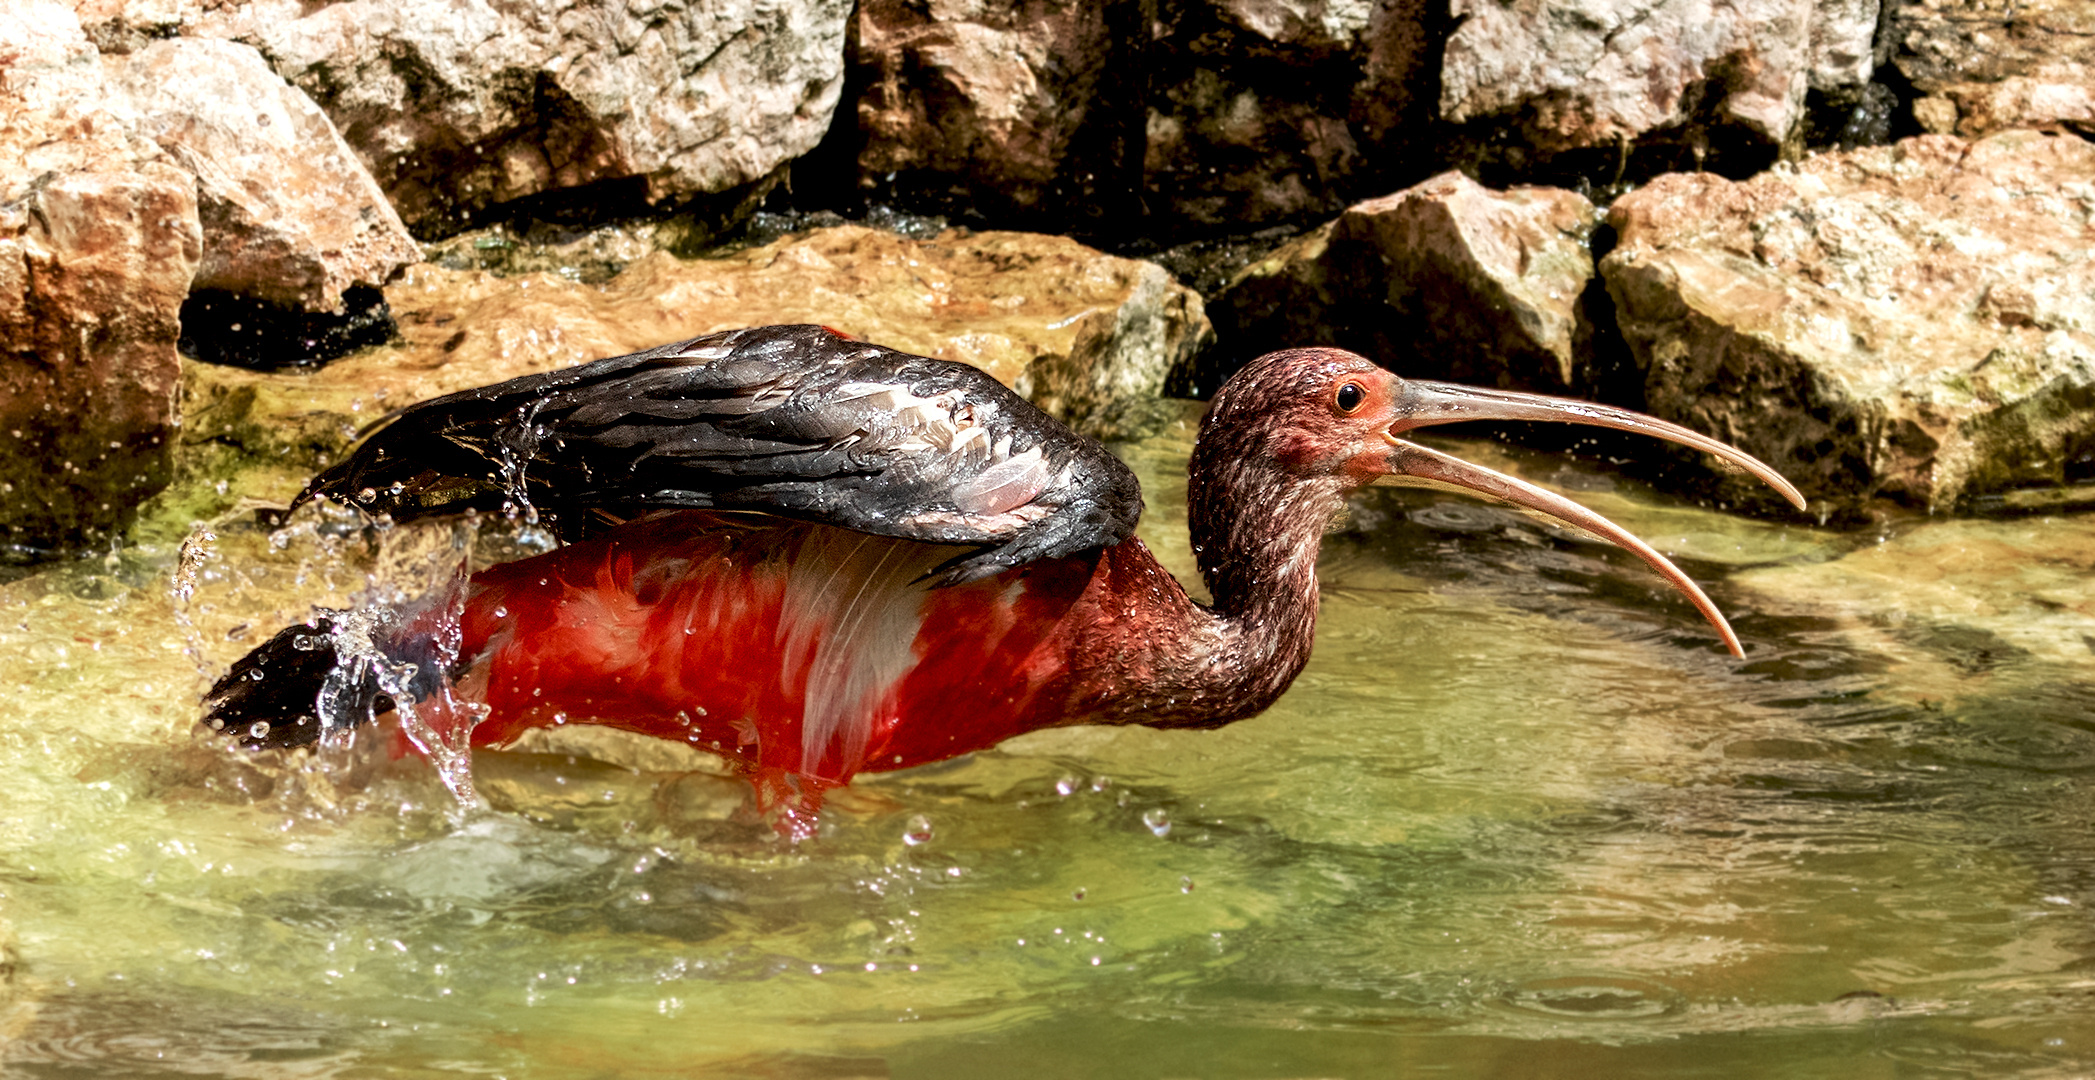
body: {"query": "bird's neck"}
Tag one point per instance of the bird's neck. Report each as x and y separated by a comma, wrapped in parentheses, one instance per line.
(1256, 538)
(1256, 535)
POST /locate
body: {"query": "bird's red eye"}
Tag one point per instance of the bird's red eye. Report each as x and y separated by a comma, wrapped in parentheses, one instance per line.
(1350, 396)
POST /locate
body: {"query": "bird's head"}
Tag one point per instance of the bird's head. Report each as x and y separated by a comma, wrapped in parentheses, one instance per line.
(1332, 420)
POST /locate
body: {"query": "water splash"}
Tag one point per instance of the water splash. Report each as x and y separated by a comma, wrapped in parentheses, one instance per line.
(197, 549)
(406, 635)
(1158, 821)
(515, 445)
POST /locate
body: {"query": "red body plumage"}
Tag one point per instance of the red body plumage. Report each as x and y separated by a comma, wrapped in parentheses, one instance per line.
(792, 649)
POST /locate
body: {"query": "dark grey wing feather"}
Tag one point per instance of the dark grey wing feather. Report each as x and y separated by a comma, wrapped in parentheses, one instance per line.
(791, 420)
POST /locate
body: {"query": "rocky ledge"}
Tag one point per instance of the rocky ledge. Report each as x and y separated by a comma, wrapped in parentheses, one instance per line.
(1092, 338)
(1913, 321)
(1852, 237)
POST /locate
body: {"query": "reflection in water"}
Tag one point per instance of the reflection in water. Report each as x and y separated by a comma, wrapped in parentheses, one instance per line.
(1521, 816)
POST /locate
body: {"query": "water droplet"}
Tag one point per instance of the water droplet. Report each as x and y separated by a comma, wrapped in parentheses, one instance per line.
(1077, 895)
(365, 495)
(1158, 820)
(258, 730)
(917, 830)
(501, 612)
(1185, 884)
(1066, 786)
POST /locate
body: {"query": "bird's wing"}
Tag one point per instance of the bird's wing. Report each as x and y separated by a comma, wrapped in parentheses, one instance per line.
(798, 421)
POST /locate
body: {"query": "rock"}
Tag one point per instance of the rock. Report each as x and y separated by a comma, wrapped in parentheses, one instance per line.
(1489, 282)
(1268, 111)
(989, 97)
(126, 180)
(1208, 116)
(1308, 291)
(99, 238)
(1914, 321)
(1088, 336)
(121, 26)
(1984, 68)
(458, 107)
(290, 217)
(1447, 280)
(93, 269)
(1565, 76)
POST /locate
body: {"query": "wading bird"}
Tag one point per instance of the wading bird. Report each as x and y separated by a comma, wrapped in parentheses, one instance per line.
(820, 557)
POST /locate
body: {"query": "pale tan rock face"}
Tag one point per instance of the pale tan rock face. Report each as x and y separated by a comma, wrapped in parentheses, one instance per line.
(119, 26)
(1573, 75)
(1988, 67)
(1090, 337)
(1446, 279)
(98, 241)
(127, 180)
(289, 214)
(1915, 321)
(1493, 278)
(460, 106)
(93, 269)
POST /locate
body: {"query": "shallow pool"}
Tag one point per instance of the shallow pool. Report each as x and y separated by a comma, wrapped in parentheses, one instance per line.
(1522, 816)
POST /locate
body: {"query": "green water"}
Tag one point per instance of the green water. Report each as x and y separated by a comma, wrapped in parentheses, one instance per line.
(1521, 817)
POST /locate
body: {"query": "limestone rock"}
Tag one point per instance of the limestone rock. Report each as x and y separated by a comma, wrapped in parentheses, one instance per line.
(1090, 337)
(1989, 67)
(1490, 279)
(289, 215)
(1446, 279)
(93, 269)
(1914, 321)
(125, 180)
(1568, 75)
(990, 96)
(460, 106)
(121, 26)
(98, 241)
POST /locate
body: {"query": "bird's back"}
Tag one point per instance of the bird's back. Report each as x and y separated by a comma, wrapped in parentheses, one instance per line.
(794, 421)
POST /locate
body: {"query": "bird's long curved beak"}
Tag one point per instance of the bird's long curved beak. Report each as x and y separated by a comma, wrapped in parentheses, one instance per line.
(1422, 404)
